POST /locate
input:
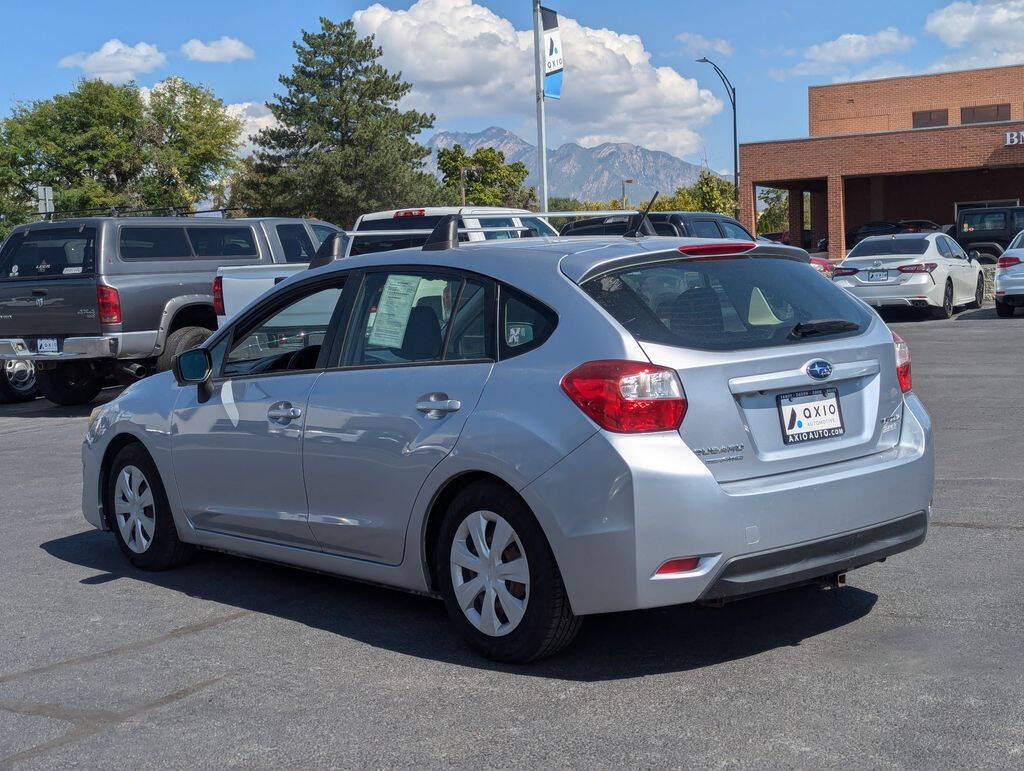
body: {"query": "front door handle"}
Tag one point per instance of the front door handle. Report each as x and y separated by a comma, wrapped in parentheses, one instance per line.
(283, 412)
(437, 405)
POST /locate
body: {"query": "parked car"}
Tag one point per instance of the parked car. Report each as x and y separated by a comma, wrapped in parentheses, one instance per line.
(912, 270)
(987, 232)
(238, 286)
(882, 228)
(1010, 278)
(87, 299)
(533, 431)
(918, 226)
(823, 265)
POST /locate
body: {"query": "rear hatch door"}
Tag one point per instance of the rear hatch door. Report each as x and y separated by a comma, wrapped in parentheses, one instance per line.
(48, 283)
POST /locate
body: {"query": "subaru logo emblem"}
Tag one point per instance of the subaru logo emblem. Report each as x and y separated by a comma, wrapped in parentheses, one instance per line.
(819, 369)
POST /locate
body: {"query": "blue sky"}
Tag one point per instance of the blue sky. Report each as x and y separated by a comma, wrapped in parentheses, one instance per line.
(630, 70)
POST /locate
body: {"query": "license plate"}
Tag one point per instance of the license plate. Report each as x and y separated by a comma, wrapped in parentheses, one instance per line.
(46, 345)
(810, 415)
(878, 275)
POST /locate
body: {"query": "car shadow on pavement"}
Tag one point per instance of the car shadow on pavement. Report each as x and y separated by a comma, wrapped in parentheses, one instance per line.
(41, 408)
(609, 647)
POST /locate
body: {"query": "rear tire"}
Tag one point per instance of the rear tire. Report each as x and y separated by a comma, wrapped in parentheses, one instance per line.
(546, 624)
(979, 293)
(17, 381)
(179, 341)
(69, 384)
(1004, 310)
(945, 311)
(138, 512)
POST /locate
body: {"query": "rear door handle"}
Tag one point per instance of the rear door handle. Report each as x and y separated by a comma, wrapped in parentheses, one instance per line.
(437, 405)
(283, 412)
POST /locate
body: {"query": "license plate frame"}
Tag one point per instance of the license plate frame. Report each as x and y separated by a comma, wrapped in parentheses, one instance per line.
(877, 276)
(47, 345)
(818, 400)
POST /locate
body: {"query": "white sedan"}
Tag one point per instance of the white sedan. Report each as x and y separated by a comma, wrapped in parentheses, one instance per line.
(912, 270)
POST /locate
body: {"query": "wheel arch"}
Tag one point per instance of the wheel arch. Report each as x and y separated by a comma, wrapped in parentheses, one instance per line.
(114, 446)
(186, 311)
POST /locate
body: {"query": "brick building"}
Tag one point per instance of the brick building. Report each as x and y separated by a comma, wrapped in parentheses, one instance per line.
(914, 147)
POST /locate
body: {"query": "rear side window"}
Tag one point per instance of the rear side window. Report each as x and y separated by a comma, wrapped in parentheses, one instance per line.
(296, 243)
(732, 230)
(887, 246)
(523, 323)
(49, 253)
(322, 231)
(1018, 220)
(138, 243)
(943, 247)
(983, 220)
(725, 304)
(220, 241)
(705, 229)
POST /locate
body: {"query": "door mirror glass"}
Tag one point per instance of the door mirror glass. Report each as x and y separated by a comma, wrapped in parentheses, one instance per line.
(193, 366)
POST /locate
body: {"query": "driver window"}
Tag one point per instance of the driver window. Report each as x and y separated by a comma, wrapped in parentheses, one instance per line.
(288, 340)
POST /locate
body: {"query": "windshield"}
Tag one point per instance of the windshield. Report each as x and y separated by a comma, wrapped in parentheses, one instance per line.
(725, 304)
(889, 246)
(49, 253)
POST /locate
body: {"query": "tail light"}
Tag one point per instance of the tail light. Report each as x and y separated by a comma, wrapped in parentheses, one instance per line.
(837, 272)
(109, 304)
(627, 396)
(927, 267)
(410, 213)
(722, 247)
(902, 362)
(1007, 262)
(218, 295)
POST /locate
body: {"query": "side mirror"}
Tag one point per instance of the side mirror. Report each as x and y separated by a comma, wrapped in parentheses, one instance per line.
(333, 248)
(974, 254)
(194, 367)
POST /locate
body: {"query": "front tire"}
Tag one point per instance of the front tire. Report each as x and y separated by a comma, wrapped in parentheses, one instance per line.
(945, 311)
(1004, 310)
(69, 384)
(139, 514)
(500, 582)
(979, 293)
(17, 381)
(179, 341)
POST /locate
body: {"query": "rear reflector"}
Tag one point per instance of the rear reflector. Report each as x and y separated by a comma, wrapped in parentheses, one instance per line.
(1007, 262)
(218, 295)
(837, 272)
(678, 565)
(109, 304)
(410, 213)
(724, 247)
(927, 267)
(902, 362)
(627, 396)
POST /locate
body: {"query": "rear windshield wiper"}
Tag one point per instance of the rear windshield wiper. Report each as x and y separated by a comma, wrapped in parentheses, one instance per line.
(821, 327)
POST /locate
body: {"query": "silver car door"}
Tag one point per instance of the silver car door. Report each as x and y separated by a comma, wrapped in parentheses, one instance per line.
(237, 455)
(418, 353)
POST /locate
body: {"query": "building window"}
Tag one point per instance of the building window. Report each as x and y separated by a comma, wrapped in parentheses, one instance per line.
(929, 118)
(985, 114)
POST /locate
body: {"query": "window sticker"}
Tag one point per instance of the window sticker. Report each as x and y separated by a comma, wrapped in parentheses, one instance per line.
(518, 333)
(393, 311)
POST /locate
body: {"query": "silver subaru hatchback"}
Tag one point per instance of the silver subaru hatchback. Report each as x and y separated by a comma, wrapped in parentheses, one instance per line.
(533, 430)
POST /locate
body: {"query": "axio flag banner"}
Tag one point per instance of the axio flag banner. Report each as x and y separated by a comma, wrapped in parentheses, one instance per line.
(552, 54)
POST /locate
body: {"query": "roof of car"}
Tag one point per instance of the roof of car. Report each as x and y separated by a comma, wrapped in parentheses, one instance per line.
(903, 236)
(167, 220)
(440, 211)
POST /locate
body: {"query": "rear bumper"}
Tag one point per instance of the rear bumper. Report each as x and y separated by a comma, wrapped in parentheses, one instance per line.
(620, 506)
(914, 292)
(116, 345)
(1010, 289)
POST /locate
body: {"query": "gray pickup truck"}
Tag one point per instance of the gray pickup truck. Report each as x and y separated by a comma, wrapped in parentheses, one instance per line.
(83, 300)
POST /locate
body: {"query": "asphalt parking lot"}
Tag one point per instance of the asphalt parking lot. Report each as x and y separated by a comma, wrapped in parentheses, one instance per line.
(917, 662)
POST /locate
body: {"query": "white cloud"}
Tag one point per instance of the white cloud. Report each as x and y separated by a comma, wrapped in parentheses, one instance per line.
(698, 44)
(254, 116)
(464, 60)
(990, 33)
(115, 61)
(223, 49)
(836, 57)
(885, 69)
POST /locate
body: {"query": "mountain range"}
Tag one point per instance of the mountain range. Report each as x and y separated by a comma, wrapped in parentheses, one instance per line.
(587, 173)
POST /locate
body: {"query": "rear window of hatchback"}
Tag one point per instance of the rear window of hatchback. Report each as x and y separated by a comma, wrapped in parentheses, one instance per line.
(724, 304)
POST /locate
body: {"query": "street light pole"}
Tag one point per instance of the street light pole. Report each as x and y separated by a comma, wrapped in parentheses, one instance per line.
(730, 90)
(624, 183)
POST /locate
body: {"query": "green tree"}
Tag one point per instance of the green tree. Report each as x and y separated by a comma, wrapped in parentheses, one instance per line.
(712, 193)
(489, 181)
(774, 216)
(102, 145)
(341, 146)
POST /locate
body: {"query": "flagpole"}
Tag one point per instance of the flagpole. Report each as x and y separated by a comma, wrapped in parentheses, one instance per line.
(542, 156)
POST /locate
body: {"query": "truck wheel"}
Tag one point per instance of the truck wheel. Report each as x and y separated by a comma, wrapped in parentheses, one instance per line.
(69, 384)
(17, 381)
(179, 341)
